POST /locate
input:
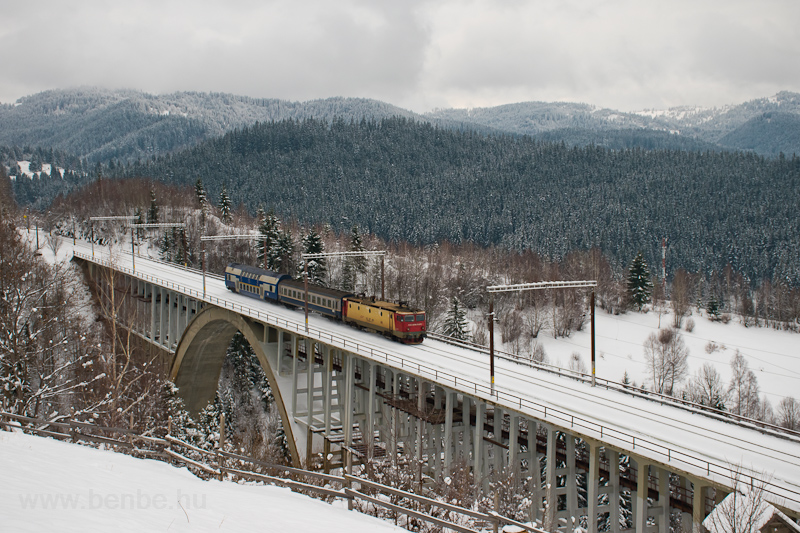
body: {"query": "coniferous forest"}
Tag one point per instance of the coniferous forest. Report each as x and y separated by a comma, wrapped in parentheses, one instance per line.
(404, 180)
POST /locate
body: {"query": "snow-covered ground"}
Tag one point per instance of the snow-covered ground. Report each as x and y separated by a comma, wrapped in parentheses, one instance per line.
(48, 485)
(774, 356)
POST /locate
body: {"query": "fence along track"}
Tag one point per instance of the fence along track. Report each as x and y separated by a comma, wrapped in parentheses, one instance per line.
(212, 463)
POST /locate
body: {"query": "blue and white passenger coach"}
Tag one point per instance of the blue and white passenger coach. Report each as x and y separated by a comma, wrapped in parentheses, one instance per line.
(252, 281)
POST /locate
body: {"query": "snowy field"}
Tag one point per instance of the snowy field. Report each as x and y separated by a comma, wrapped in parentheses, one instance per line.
(774, 356)
(48, 485)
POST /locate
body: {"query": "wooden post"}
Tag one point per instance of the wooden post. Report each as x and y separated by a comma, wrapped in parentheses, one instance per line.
(593, 360)
(383, 277)
(491, 343)
(133, 251)
(305, 283)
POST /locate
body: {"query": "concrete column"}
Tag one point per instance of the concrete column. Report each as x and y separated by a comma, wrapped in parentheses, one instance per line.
(477, 454)
(699, 506)
(327, 400)
(309, 400)
(295, 340)
(592, 481)
(468, 432)
(279, 370)
(513, 446)
(535, 471)
(349, 365)
(499, 453)
(642, 478)
(663, 501)
(395, 415)
(327, 388)
(421, 391)
(369, 437)
(448, 431)
(172, 318)
(613, 489)
(152, 314)
(550, 480)
(162, 317)
(572, 479)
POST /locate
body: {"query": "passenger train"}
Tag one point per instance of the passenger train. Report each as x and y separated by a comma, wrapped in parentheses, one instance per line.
(390, 319)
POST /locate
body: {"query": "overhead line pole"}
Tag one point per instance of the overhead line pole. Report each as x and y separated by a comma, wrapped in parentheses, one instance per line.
(538, 286)
(158, 225)
(322, 255)
(97, 219)
(365, 253)
(235, 237)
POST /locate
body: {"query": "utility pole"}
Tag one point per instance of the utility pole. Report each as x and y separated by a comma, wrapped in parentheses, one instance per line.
(491, 343)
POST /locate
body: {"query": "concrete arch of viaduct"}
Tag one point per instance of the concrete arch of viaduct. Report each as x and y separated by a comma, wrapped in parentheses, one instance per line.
(201, 353)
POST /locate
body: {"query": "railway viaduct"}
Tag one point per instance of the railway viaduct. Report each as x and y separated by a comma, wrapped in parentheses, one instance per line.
(346, 399)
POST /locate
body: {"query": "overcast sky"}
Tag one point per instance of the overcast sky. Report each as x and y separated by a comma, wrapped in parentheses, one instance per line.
(622, 54)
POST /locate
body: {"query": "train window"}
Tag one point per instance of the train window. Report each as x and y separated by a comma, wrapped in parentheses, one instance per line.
(420, 318)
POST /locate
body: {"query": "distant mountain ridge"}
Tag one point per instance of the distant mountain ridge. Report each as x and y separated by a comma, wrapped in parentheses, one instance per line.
(103, 125)
(729, 127)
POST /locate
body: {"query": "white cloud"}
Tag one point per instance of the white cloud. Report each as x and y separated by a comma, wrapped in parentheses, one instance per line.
(624, 54)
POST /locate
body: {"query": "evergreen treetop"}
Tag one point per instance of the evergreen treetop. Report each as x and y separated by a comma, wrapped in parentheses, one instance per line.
(640, 286)
(225, 206)
(455, 324)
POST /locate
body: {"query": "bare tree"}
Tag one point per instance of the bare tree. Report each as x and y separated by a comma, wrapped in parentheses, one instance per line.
(745, 509)
(789, 413)
(743, 388)
(706, 388)
(681, 297)
(666, 357)
(42, 348)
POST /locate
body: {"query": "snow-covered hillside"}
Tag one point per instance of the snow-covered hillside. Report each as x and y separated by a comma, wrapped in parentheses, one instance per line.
(48, 485)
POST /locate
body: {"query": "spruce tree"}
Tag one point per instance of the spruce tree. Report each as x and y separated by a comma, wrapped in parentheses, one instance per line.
(225, 206)
(640, 286)
(317, 268)
(455, 324)
(152, 213)
(270, 228)
(281, 256)
(200, 193)
(202, 200)
(167, 246)
(354, 265)
(139, 220)
(713, 309)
